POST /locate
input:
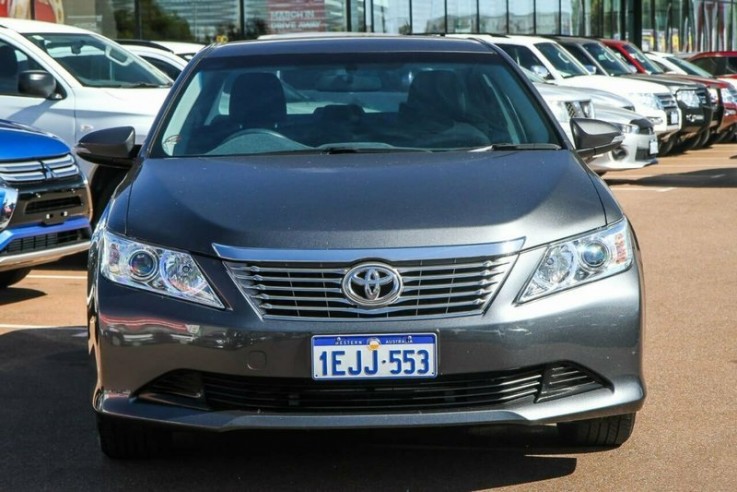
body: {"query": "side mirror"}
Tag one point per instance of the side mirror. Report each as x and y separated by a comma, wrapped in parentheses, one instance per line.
(37, 83)
(112, 147)
(590, 69)
(540, 71)
(594, 137)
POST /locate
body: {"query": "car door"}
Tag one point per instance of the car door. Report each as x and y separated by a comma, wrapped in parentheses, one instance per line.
(55, 115)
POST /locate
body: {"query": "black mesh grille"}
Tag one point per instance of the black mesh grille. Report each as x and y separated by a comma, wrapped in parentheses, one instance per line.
(44, 242)
(52, 205)
(483, 390)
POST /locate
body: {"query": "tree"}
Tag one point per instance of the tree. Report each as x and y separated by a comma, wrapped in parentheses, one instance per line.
(156, 24)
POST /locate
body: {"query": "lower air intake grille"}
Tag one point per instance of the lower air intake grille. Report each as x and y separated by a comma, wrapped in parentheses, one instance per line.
(210, 391)
(44, 241)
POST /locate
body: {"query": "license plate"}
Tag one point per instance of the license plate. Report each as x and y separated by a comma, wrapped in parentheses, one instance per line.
(673, 118)
(374, 356)
(653, 147)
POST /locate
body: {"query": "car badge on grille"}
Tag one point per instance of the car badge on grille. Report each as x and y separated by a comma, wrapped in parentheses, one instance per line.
(372, 285)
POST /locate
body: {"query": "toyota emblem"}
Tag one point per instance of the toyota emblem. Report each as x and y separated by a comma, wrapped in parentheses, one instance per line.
(372, 285)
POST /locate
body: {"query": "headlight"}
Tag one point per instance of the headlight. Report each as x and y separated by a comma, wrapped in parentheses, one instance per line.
(159, 270)
(588, 109)
(560, 111)
(580, 260)
(647, 99)
(627, 128)
(714, 95)
(727, 96)
(689, 98)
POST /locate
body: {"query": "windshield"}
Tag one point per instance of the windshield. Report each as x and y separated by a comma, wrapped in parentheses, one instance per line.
(561, 60)
(688, 67)
(642, 59)
(362, 102)
(96, 62)
(606, 59)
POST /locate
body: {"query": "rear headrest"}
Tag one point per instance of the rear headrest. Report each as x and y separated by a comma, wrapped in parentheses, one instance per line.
(257, 100)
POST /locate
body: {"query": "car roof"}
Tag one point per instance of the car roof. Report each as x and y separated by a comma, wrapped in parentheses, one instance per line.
(714, 53)
(25, 26)
(573, 40)
(352, 44)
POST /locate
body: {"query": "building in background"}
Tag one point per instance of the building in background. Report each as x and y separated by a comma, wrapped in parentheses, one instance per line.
(665, 25)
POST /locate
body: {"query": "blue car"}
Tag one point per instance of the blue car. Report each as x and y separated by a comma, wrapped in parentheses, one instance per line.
(44, 201)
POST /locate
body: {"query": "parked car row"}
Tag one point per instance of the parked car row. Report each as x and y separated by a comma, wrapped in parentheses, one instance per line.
(343, 232)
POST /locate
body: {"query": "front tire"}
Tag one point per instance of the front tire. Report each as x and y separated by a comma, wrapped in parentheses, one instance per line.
(13, 277)
(606, 431)
(126, 439)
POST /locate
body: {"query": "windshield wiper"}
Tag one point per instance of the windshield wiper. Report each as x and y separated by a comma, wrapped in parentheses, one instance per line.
(519, 146)
(350, 149)
(137, 85)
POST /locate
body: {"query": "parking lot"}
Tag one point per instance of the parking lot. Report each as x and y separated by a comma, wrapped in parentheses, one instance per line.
(683, 210)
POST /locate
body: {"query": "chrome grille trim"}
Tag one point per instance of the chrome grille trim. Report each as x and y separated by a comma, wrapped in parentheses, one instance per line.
(257, 255)
(436, 288)
(38, 170)
(667, 101)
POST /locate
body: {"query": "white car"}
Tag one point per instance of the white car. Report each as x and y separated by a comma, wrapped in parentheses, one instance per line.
(673, 64)
(164, 60)
(640, 145)
(69, 81)
(550, 60)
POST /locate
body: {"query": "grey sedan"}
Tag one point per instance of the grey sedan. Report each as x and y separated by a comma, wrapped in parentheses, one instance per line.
(361, 232)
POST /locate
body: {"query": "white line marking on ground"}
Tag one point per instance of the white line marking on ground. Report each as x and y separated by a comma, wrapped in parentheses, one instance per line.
(59, 277)
(641, 188)
(717, 176)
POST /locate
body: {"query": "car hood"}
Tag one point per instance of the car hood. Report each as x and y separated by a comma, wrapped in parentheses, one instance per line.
(20, 142)
(618, 85)
(362, 200)
(99, 108)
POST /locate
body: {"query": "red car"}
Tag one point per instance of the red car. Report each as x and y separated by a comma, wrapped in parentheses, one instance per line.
(717, 63)
(725, 116)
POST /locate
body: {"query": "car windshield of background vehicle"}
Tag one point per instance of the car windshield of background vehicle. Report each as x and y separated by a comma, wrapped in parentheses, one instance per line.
(688, 67)
(606, 59)
(561, 60)
(357, 103)
(642, 59)
(96, 62)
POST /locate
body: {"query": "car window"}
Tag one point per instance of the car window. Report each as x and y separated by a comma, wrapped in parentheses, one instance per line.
(642, 59)
(730, 65)
(581, 57)
(561, 60)
(12, 62)
(688, 67)
(606, 59)
(97, 62)
(378, 102)
(524, 56)
(709, 64)
(170, 70)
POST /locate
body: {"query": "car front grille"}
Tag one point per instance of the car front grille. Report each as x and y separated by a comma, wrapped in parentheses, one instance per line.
(214, 392)
(667, 101)
(431, 288)
(38, 170)
(580, 109)
(44, 241)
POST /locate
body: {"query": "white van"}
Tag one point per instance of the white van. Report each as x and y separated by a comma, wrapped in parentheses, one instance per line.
(70, 81)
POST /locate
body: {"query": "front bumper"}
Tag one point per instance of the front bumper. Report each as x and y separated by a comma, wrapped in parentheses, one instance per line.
(28, 246)
(138, 338)
(635, 152)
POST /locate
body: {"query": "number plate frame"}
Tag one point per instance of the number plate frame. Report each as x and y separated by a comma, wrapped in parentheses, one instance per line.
(371, 346)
